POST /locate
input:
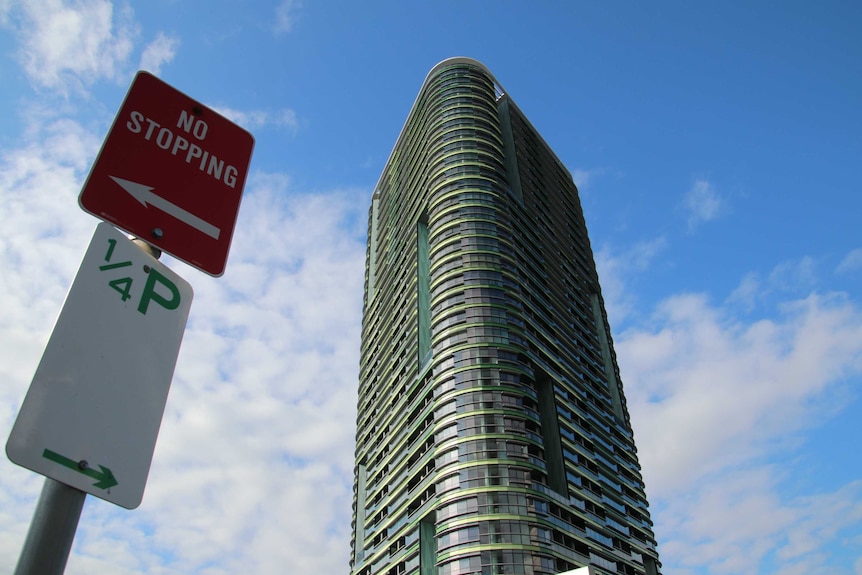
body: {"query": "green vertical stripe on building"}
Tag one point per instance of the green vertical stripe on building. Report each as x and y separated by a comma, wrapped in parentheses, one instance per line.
(423, 287)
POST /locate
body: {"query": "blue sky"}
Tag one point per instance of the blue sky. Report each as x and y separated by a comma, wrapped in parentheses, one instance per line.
(719, 157)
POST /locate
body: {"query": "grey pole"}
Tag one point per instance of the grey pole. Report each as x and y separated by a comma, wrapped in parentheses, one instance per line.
(52, 530)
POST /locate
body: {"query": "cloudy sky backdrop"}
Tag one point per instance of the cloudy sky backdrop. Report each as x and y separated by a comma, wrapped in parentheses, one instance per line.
(719, 156)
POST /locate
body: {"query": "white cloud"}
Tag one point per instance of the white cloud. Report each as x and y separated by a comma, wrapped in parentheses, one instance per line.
(851, 262)
(66, 46)
(38, 185)
(253, 119)
(746, 294)
(719, 406)
(583, 178)
(285, 15)
(794, 275)
(615, 269)
(739, 524)
(261, 417)
(158, 52)
(43, 238)
(702, 203)
(735, 388)
(790, 277)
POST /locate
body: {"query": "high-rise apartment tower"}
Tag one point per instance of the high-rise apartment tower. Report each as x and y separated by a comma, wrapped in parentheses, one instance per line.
(493, 435)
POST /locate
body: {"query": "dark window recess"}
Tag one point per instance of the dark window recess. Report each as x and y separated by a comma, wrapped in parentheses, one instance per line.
(551, 433)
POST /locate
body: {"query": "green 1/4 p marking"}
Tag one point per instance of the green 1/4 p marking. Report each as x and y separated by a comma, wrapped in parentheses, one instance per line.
(155, 278)
(121, 285)
(104, 478)
(112, 243)
(124, 285)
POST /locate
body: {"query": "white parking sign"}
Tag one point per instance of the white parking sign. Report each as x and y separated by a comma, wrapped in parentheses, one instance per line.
(92, 414)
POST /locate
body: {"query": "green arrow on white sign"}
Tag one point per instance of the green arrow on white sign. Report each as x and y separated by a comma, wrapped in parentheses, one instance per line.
(104, 478)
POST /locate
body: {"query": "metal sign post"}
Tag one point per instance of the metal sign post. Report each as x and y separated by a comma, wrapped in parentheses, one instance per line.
(52, 530)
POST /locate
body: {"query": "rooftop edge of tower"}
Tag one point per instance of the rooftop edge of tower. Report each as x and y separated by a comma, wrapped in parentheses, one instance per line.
(454, 60)
(439, 67)
(457, 60)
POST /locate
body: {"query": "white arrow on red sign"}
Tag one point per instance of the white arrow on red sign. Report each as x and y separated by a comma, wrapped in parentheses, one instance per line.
(146, 197)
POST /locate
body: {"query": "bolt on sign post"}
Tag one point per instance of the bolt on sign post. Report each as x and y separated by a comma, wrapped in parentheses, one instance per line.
(171, 171)
(92, 414)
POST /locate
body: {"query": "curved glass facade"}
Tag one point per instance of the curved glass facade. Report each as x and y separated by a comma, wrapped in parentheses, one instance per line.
(492, 432)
